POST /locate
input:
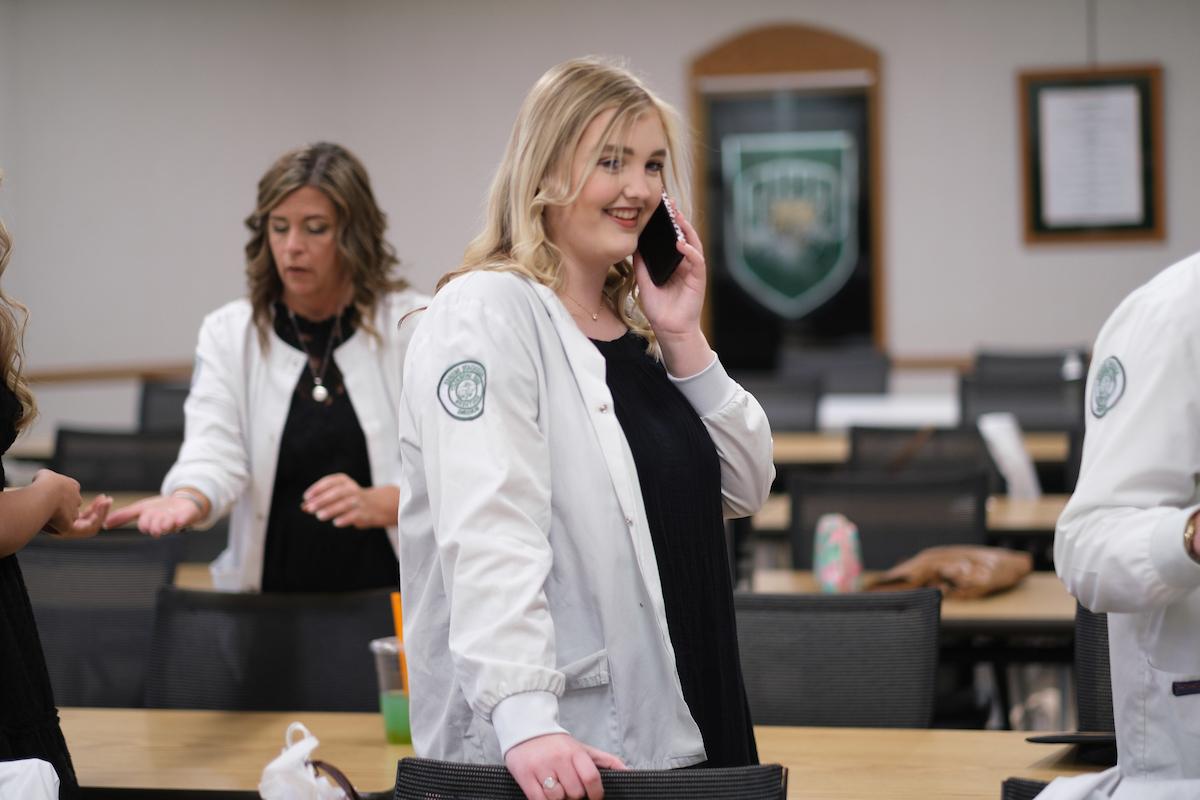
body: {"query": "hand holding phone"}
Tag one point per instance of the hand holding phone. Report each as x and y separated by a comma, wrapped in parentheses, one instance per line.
(657, 243)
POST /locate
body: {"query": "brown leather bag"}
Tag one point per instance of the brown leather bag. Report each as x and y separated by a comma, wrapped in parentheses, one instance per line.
(960, 571)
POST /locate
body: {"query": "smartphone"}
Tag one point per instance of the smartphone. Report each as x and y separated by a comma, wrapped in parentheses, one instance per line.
(657, 243)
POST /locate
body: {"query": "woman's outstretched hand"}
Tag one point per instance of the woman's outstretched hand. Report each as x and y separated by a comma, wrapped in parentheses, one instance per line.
(157, 516)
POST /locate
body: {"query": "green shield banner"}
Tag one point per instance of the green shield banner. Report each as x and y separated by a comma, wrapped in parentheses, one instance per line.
(791, 207)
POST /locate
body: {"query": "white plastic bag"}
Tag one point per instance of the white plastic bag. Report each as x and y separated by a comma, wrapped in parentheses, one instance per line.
(289, 776)
(28, 779)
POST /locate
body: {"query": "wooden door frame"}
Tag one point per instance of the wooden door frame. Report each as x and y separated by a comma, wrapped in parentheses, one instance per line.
(794, 56)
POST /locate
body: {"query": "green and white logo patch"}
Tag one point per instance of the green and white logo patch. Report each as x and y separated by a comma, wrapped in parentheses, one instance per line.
(1108, 387)
(791, 237)
(461, 390)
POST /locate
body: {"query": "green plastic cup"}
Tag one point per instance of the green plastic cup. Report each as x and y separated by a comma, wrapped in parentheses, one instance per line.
(393, 698)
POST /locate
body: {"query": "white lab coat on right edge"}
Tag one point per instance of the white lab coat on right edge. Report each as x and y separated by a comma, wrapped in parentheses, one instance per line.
(532, 601)
(1119, 544)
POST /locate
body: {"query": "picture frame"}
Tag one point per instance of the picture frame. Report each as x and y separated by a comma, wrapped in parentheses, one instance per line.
(1092, 154)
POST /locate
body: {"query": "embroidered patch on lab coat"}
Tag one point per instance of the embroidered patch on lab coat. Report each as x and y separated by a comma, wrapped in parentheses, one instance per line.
(1109, 386)
(461, 390)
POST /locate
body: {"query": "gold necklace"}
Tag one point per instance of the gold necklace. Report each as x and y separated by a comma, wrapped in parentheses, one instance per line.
(594, 315)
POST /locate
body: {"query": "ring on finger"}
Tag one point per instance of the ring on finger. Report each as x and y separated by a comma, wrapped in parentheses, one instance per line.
(549, 782)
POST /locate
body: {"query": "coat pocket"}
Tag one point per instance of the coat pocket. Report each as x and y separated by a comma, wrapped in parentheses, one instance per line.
(1172, 726)
(587, 709)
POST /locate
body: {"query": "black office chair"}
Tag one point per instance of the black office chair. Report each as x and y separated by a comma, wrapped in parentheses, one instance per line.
(1095, 736)
(428, 779)
(859, 369)
(1074, 459)
(791, 404)
(1093, 672)
(1021, 789)
(916, 450)
(94, 602)
(1038, 404)
(113, 461)
(104, 793)
(267, 652)
(160, 409)
(857, 660)
(1066, 364)
(897, 516)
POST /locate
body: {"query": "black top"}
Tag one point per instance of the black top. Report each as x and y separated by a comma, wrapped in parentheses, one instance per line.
(304, 554)
(680, 479)
(28, 719)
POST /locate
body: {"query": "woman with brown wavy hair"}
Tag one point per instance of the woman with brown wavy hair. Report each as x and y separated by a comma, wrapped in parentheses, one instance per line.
(291, 418)
(28, 719)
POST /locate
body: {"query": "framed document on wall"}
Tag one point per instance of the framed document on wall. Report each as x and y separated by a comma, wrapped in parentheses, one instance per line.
(1091, 143)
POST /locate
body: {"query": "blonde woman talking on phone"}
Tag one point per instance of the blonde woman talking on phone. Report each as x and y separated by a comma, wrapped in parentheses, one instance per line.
(570, 444)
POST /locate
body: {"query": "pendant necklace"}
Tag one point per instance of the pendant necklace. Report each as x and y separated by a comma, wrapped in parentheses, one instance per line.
(594, 315)
(319, 392)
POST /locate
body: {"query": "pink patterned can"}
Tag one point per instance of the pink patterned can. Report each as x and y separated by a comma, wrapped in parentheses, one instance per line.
(837, 559)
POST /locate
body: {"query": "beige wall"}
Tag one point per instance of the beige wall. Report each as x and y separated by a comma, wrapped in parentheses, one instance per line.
(133, 132)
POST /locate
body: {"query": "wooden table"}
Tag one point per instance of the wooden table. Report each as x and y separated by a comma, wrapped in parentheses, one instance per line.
(155, 749)
(833, 447)
(1004, 515)
(1038, 604)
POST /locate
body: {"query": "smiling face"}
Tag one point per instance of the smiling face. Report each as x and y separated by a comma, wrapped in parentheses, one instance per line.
(621, 188)
(302, 236)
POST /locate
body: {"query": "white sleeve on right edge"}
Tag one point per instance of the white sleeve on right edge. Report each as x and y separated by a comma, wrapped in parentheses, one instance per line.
(1119, 543)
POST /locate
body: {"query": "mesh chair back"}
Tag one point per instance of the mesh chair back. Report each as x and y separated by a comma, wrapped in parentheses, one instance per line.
(897, 450)
(897, 515)
(1074, 459)
(843, 370)
(1066, 364)
(113, 461)
(861, 660)
(94, 602)
(791, 403)
(1093, 672)
(427, 779)
(1046, 405)
(161, 407)
(266, 652)
(1021, 789)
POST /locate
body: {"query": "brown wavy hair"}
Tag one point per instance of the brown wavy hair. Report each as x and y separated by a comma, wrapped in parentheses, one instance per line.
(13, 318)
(536, 173)
(360, 224)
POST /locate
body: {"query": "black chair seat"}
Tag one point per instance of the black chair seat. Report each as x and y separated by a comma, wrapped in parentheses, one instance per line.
(427, 779)
(267, 652)
(94, 602)
(863, 660)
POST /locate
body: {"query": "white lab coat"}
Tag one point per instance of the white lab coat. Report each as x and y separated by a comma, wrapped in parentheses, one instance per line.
(237, 407)
(532, 601)
(1119, 543)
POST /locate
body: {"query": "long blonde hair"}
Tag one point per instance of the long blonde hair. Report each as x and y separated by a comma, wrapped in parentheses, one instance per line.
(362, 250)
(536, 172)
(13, 318)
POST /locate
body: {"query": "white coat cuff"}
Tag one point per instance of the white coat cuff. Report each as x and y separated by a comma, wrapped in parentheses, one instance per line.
(1166, 551)
(520, 717)
(709, 390)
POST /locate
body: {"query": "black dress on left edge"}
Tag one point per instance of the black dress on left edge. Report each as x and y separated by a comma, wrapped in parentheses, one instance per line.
(28, 719)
